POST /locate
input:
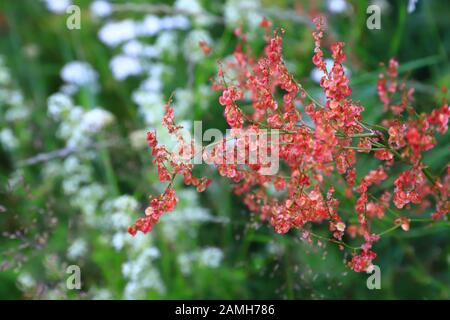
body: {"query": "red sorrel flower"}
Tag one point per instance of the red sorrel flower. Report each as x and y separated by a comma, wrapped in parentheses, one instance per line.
(315, 156)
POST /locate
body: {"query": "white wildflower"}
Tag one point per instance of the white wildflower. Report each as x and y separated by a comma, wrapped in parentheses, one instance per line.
(77, 249)
(195, 9)
(57, 6)
(72, 164)
(151, 253)
(118, 240)
(150, 105)
(96, 119)
(188, 6)
(120, 211)
(239, 12)
(5, 76)
(184, 100)
(150, 26)
(115, 33)
(25, 281)
(152, 84)
(101, 8)
(59, 104)
(79, 73)
(142, 275)
(88, 198)
(185, 262)
(337, 6)
(133, 48)
(15, 98)
(125, 203)
(167, 43)
(17, 113)
(123, 66)
(178, 22)
(120, 220)
(72, 184)
(211, 257)
(8, 140)
(412, 5)
(69, 89)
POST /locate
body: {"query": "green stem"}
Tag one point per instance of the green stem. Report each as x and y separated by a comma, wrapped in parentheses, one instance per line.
(333, 241)
(389, 230)
(364, 149)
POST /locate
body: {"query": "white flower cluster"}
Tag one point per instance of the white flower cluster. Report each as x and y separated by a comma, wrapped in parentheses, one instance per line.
(123, 66)
(79, 73)
(7, 139)
(77, 171)
(5, 76)
(76, 124)
(26, 281)
(114, 33)
(79, 184)
(119, 214)
(95, 120)
(101, 8)
(77, 127)
(57, 6)
(138, 58)
(337, 6)
(113, 214)
(12, 102)
(88, 199)
(412, 6)
(209, 257)
(12, 108)
(187, 214)
(91, 198)
(239, 12)
(189, 6)
(142, 276)
(77, 249)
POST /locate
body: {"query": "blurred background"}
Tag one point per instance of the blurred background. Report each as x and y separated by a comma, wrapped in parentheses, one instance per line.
(75, 106)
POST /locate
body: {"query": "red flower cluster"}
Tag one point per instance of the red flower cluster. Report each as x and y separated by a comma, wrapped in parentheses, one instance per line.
(410, 135)
(317, 145)
(373, 177)
(169, 164)
(407, 188)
